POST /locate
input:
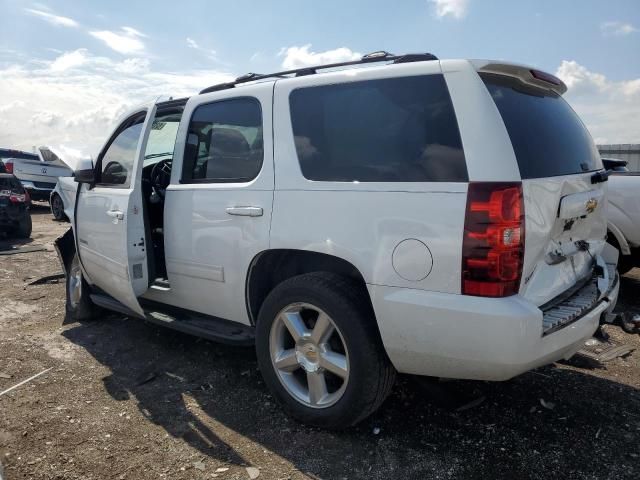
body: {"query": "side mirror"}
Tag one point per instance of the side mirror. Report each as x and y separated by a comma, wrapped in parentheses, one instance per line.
(85, 176)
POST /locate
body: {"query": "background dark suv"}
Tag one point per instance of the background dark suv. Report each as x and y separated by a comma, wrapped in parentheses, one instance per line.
(14, 203)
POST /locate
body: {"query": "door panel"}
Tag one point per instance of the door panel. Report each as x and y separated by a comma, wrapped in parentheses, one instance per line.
(110, 223)
(208, 251)
(213, 228)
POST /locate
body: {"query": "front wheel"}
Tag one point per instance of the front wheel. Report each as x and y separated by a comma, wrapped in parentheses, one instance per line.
(319, 350)
(79, 305)
(57, 208)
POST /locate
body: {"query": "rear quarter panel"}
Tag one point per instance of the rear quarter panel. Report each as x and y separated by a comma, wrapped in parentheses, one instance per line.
(363, 223)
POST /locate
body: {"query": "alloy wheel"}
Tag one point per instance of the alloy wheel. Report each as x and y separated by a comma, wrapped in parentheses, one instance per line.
(309, 355)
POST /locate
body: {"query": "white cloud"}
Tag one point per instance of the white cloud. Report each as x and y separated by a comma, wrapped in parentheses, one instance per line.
(56, 20)
(209, 53)
(126, 42)
(48, 119)
(133, 32)
(69, 60)
(133, 65)
(455, 8)
(578, 77)
(298, 57)
(617, 28)
(75, 107)
(11, 105)
(610, 109)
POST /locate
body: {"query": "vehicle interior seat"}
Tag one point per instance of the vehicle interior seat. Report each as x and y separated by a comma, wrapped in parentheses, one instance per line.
(229, 155)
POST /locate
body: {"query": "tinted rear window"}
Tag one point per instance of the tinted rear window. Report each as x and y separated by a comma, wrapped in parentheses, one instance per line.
(10, 183)
(548, 138)
(388, 130)
(17, 154)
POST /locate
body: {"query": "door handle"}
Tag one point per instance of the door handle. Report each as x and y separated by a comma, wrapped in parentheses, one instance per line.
(245, 211)
(115, 214)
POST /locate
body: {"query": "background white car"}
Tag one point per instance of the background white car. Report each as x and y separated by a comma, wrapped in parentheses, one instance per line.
(623, 213)
(63, 195)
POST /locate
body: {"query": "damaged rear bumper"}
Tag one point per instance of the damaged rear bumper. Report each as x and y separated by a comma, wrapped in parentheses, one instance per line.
(457, 336)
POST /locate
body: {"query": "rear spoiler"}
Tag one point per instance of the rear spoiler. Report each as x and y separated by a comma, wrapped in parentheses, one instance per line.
(528, 75)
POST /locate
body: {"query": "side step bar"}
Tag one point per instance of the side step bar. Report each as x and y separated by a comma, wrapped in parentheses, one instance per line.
(186, 321)
(105, 301)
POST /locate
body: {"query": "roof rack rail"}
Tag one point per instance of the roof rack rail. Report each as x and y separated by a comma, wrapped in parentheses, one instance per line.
(378, 56)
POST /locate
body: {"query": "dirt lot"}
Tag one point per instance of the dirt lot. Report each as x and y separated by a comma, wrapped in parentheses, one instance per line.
(129, 400)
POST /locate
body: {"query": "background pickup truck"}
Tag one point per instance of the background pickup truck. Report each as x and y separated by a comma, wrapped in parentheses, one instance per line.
(623, 213)
(38, 172)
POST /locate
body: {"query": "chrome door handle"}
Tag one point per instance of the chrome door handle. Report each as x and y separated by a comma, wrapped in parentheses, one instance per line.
(115, 214)
(245, 211)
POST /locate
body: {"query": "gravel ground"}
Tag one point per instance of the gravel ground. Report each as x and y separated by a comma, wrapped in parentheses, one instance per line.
(128, 400)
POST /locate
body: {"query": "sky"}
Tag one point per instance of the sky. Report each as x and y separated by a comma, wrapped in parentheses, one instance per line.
(69, 69)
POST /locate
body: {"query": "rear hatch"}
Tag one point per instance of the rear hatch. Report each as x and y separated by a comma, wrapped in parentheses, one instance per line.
(563, 187)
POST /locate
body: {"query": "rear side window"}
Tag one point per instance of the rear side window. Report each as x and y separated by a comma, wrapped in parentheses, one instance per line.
(224, 142)
(548, 137)
(388, 130)
(17, 154)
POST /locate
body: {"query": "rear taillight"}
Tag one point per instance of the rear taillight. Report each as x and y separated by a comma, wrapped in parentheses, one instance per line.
(9, 166)
(493, 244)
(19, 197)
(546, 77)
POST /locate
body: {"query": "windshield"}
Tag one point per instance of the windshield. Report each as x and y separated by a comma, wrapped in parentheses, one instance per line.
(548, 138)
(162, 139)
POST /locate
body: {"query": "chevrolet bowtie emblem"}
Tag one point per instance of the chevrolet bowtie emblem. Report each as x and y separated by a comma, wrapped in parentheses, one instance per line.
(591, 205)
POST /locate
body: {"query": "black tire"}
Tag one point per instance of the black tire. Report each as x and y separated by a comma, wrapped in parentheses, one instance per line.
(81, 307)
(371, 374)
(24, 226)
(625, 262)
(57, 208)
(627, 324)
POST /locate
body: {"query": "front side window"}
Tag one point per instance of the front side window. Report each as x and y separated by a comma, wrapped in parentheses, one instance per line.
(224, 142)
(117, 162)
(388, 130)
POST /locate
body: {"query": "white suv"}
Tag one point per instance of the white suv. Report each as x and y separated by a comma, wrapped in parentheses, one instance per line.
(404, 214)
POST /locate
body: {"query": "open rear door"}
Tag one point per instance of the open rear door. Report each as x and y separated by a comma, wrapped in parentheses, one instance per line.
(109, 218)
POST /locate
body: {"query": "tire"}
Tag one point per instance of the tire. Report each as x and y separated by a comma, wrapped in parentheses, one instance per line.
(353, 342)
(78, 306)
(24, 226)
(627, 324)
(57, 208)
(625, 262)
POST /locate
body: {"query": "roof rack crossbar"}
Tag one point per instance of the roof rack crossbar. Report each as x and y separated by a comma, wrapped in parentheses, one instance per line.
(379, 56)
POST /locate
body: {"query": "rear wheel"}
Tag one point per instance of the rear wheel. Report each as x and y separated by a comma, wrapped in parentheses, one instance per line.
(319, 351)
(625, 262)
(79, 305)
(24, 226)
(57, 207)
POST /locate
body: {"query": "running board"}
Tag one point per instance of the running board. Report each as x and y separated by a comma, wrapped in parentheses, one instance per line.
(186, 321)
(109, 303)
(199, 324)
